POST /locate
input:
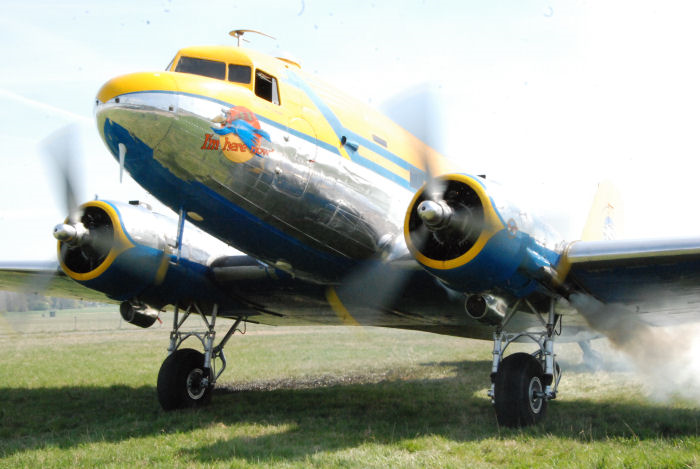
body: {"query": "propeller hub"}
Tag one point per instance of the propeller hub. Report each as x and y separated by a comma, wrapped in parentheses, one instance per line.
(71, 234)
(435, 215)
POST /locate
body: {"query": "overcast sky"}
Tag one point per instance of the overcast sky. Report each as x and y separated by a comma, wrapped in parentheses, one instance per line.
(548, 96)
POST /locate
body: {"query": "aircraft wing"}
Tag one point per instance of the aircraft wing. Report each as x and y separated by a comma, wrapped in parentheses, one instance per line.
(659, 276)
(46, 278)
(398, 294)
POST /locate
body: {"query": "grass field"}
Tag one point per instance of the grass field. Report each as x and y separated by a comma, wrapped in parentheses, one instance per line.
(301, 397)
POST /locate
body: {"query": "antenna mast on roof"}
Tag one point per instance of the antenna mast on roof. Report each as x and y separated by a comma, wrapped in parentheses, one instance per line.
(238, 34)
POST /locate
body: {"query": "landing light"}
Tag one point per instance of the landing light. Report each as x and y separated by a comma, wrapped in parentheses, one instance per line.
(195, 216)
(284, 266)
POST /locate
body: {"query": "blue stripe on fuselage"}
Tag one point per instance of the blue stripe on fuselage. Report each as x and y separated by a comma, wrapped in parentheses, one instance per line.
(342, 131)
(336, 125)
(221, 217)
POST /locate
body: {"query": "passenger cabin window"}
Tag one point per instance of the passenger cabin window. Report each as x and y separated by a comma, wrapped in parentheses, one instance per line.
(239, 74)
(204, 67)
(266, 87)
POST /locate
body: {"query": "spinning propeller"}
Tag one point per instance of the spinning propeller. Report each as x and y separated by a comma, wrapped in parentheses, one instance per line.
(63, 148)
(377, 283)
(87, 236)
(60, 149)
(84, 237)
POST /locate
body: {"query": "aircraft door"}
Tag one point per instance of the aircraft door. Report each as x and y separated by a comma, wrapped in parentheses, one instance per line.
(291, 173)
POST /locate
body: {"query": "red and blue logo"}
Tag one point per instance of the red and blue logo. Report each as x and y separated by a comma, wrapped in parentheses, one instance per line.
(239, 137)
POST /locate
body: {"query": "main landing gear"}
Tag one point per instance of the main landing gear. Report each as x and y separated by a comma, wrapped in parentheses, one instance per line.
(187, 377)
(521, 383)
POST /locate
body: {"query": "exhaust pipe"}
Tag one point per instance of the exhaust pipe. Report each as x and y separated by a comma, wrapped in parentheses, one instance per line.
(138, 314)
(486, 309)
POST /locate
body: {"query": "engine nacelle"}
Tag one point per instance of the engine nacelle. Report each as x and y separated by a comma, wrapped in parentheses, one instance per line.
(471, 237)
(128, 251)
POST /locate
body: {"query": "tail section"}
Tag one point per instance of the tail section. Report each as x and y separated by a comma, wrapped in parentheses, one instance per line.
(605, 219)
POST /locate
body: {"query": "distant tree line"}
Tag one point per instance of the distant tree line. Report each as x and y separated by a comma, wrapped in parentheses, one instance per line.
(20, 302)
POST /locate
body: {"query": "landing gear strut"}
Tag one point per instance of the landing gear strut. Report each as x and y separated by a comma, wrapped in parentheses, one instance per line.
(187, 377)
(522, 384)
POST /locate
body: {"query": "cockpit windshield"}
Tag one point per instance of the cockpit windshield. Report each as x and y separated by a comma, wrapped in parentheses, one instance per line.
(265, 85)
(214, 69)
(204, 67)
(239, 73)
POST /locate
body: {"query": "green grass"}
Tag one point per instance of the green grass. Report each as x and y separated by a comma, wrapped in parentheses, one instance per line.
(300, 397)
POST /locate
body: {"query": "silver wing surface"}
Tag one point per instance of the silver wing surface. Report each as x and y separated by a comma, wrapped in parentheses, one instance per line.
(659, 278)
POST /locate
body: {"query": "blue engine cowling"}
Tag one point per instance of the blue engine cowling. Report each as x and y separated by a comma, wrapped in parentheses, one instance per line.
(128, 252)
(498, 247)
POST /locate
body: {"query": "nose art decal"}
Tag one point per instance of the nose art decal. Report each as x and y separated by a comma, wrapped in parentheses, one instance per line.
(238, 136)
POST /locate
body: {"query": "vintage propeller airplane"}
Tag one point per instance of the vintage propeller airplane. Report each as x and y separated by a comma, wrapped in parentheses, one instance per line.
(345, 218)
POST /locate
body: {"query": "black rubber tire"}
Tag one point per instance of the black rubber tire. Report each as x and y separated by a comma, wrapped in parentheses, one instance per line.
(518, 376)
(178, 381)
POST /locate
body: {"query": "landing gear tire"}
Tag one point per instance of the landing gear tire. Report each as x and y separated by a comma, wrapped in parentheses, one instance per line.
(180, 380)
(519, 389)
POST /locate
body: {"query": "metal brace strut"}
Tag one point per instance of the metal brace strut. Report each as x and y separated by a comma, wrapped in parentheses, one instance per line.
(207, 337)
(544, 341)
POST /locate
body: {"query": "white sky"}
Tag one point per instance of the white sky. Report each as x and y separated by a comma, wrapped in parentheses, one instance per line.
(550, 96)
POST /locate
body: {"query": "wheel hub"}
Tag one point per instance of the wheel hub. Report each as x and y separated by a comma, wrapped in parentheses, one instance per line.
(536, 394)
(196, 387)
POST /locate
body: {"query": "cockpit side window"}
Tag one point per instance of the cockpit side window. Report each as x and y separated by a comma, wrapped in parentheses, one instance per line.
(266, 87)
(239, 73)
(204, 67)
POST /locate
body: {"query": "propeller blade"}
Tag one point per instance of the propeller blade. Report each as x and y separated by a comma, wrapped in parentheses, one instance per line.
(63, 148)
(375, 284)
(32, 277)
(419, 110)
(40, 282)
(372, 288)
(81, 235)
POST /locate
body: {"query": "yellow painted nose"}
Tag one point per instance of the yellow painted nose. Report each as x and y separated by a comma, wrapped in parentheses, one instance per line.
(136, 82)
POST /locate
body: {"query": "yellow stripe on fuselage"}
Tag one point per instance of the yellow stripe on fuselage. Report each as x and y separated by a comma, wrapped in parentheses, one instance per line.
(385, 163)
(371, 125)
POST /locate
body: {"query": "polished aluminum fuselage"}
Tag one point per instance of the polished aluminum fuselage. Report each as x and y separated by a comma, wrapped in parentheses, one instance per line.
(325, 211)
